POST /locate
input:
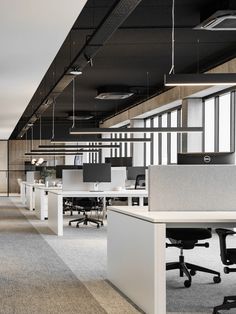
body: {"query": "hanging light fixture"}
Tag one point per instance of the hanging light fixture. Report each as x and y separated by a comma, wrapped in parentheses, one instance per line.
(77, 131)
(102, 140)
(198, 79)
(63, 153)
(207, 79)
(75, 151)
(76, 146)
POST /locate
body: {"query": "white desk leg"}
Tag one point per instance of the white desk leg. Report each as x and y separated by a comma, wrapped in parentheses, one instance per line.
(104, 208)
(55, 213)
(141, 198)
(129, 201)
(136, 260)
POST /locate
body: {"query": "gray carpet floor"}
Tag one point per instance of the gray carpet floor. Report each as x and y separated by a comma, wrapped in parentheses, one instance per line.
(83, 251)
(33, 278)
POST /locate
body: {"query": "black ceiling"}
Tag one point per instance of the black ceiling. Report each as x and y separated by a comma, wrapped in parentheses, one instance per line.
(137, 55)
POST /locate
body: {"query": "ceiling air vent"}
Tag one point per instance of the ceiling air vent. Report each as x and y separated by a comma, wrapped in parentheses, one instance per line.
(223, 20)
(80, 116)
(113, 93)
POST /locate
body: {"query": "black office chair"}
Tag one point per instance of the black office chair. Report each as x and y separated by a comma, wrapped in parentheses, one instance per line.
(86, 205)
(69, 205)
(187, 239)
(228, 257)
(140, 181)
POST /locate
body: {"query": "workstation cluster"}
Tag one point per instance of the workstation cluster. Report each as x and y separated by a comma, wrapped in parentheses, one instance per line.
(187, 202)
(86, 188)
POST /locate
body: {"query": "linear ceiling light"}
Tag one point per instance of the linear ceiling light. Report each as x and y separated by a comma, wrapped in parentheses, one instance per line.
(63, 153)
(102, 140)
(52, 150)
(207, 79)
(77, 146)
(76, 131)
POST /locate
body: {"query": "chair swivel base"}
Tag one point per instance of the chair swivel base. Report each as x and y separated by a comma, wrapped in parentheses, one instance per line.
(85, 220)
(185, 267)
(228, 303)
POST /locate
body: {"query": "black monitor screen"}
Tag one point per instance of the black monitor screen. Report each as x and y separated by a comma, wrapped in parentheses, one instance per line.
(119, 161)
(133, 172)
(59, 169)
(97, 172)
(206, 158)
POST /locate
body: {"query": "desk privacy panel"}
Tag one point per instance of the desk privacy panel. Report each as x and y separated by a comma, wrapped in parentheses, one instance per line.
(192, 188)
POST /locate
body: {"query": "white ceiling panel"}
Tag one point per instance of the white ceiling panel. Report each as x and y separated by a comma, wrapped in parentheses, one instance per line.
(31, 33)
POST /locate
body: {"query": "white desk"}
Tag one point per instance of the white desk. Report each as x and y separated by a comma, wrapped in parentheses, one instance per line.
(23, 192)
(41, 200)
(29, 197)
(136, 249)
(55, 203)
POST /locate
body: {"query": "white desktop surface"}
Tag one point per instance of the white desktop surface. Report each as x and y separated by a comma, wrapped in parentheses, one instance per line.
(27, 194)
(171, 217)
(136, 261)
(121, 193)
(55, 203)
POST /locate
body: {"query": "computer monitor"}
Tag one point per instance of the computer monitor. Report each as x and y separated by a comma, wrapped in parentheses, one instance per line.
(119, 161)
(206, 158)
(133, 172)
(97, 172)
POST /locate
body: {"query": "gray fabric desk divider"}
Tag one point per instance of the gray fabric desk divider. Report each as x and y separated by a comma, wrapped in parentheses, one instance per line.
(192, 188)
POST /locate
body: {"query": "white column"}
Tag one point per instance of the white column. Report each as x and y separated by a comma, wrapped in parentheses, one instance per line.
(106, 152)
(138, 148)
(192, 116)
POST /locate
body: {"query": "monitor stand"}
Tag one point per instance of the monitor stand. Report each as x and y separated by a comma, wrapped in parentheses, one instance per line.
(95, 188)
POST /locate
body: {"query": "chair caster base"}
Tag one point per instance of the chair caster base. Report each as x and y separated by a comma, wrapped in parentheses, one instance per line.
(187, 283)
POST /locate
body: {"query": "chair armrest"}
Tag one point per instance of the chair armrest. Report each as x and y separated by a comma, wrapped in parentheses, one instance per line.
(224, 232)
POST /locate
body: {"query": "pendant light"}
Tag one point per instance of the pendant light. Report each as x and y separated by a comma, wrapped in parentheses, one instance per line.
(198, 79)
(77, 131)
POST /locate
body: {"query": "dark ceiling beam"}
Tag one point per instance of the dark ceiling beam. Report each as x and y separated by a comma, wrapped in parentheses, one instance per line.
(112, 21)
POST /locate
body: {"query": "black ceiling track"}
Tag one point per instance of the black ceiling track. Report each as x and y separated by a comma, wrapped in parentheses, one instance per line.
(115, 17)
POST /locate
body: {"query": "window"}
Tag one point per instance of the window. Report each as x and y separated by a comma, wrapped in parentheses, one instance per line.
(173, 149)
(224, 123)
(209, 125)
(155, 143)
(165, 145)
(218, 123)
(164, 140)
(147, 149)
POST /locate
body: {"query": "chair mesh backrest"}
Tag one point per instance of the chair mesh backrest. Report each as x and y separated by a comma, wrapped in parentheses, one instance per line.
(140, 180)
(223, 248)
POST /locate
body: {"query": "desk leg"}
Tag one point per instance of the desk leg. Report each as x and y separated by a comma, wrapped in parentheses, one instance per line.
(129, 201)
(55, 213)
(104, 209)
(136, 260)
(141, 201)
